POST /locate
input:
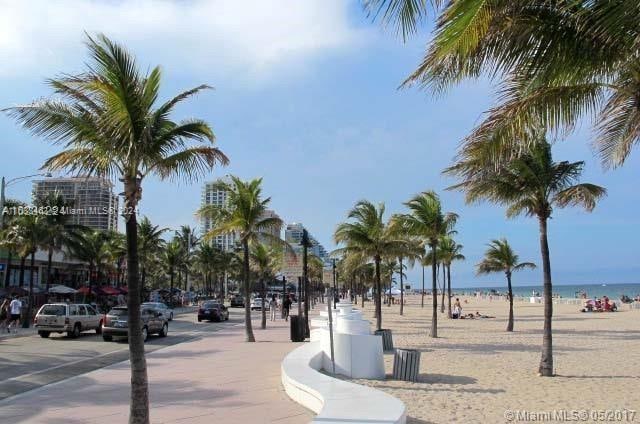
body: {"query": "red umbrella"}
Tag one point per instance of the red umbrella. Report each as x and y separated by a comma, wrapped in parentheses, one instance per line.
(110, 291)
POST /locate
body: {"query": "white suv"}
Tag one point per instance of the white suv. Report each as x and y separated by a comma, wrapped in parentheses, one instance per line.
(69, 318)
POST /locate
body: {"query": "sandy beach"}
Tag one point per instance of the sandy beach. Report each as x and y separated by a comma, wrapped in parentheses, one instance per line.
(475, 371)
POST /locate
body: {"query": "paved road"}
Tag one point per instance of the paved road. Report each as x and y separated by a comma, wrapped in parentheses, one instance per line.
(30, 362)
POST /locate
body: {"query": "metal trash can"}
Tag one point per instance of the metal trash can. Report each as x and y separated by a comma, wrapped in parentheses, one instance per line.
(406, 364)
(387, 339)
(297, 330)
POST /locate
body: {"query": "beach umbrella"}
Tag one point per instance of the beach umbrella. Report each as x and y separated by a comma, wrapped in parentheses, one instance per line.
(109, 290)
(61, 289)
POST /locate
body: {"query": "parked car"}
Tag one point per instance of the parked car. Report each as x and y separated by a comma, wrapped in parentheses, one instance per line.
(117, 323)
(256, 304)
(237, 301)
(70, 318)
(213, 311)
(161, 307)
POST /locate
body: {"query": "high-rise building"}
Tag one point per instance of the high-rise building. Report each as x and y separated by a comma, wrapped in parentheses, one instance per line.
(92, 201)
(213, 194)
(276, 230)
(293, 236)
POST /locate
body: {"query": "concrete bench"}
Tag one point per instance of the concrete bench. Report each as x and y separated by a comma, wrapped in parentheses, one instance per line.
(333, 400)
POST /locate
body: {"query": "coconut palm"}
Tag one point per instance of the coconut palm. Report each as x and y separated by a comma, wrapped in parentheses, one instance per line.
(150, 243)
(449, 252)
(110, 124)
(189, 241)
(91, 247)
(5, 240)
(427, 222)
(266, 261)
(244, 215)
(116, 250)
(556, 62)
(207, 259)
(369, 236)
(500, 257)
(531, 184)
(57, 226)
(173, 257)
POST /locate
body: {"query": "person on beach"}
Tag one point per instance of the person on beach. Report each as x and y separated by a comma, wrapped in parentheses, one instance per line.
(286, 305)
(457, 309)
(273, 307)
(14, 309)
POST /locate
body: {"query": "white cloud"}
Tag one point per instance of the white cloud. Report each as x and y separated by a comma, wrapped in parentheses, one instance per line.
(252, 38)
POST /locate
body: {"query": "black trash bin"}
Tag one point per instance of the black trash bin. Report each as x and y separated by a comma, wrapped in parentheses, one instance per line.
(297, 330)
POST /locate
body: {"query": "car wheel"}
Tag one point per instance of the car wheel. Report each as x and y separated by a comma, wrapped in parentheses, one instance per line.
(199, 319)
(75, 332)
(44, 334)
(226, 318)
(164, 331)
(145, 334)
(107, 337)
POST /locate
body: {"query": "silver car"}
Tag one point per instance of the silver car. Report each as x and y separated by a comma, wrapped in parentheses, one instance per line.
(116, 323)
(165, 310)
(67, 317)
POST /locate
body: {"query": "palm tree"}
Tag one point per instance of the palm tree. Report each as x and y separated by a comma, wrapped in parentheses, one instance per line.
(173, 257)
(556, 62)
(500, 257)
(427, 222)
(368, 236)
(5, 240)
(244, 215)
(189, 241)
(116, 250)
(449, 252)
(111, 125)
(28, 232)
(57, 227)
(150, 243)
(266, 261)
(208, 260)
(531, 184)
(90, 246)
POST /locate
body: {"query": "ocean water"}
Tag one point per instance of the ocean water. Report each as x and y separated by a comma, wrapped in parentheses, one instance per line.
(613, 291)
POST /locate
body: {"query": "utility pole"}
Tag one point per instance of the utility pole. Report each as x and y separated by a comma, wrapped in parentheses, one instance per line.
(305, 277)
(335, 278)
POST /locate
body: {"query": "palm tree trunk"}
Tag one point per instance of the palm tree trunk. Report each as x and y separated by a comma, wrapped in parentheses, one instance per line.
(247, 294)
(171, 287)
(7, 269)
(510, 292)
(546, 360)
(30, 306)
(449, 290)
(49, 262)
(362, 292)
(139, 404)
(444, 285)
(378, 293)
(422, 300)
(434, 289)
(401, 290)
(21, 276)
(263, 293)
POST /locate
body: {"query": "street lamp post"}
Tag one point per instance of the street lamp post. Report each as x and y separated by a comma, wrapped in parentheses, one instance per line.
(305, 278)
(335, 278)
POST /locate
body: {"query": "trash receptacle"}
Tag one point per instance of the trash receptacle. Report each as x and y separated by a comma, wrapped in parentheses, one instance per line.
(297, 330)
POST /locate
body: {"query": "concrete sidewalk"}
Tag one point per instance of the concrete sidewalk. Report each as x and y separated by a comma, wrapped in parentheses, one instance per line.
(217, 376)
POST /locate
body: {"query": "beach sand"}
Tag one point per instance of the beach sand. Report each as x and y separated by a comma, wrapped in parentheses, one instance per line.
(475, 370)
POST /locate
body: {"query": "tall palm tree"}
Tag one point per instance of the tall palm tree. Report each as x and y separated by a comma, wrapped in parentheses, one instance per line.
(244, 215)
(531, 184)
(110, 123)
(369, 236)
(28, 232)
(5, 240)
(91, 247)
(150, 243)
(449, 252)
(116, 250)
(427, 222)
(556, 62)
(207, 259)
(500, 257)
(189, 241)
(58, 229)
(173, 257)
(266, 261)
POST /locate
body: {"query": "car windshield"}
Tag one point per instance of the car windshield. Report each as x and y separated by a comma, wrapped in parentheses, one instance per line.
(211, 305)
(53, 310)
(118, 312)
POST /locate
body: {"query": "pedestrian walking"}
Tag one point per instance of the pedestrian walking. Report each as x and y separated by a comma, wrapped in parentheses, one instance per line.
(4, 313)
(286, 305)
(273, 307)
(14, 309)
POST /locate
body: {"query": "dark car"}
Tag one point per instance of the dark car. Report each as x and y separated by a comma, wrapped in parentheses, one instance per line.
(237, 301)
(213, 311)
(116, 323)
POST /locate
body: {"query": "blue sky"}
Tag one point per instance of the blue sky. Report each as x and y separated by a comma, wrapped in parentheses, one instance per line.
(306, 97)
